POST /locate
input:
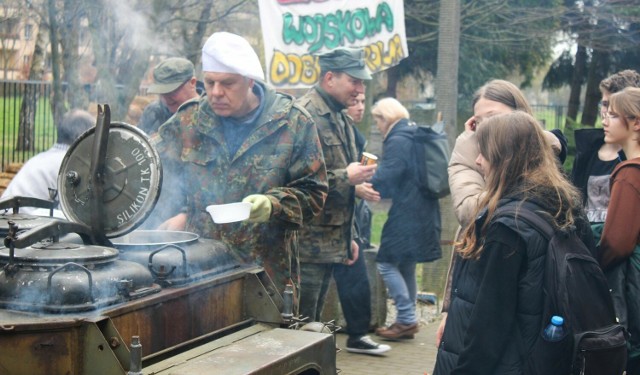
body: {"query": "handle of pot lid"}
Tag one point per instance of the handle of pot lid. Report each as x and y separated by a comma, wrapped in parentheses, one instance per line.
(54, 229)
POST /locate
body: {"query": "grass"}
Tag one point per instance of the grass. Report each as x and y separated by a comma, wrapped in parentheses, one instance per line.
(44, 130)
(378, 220)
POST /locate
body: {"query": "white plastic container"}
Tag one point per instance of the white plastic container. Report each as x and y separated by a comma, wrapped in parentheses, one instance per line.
(230, 212)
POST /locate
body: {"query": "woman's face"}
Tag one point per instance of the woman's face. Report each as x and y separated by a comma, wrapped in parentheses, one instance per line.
(485, 108)
(380, 123)
(483, 164)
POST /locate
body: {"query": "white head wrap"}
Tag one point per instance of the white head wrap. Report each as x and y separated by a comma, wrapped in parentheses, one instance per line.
(230, 53)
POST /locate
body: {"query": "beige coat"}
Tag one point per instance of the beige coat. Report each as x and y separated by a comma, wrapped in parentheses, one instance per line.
(465, 179)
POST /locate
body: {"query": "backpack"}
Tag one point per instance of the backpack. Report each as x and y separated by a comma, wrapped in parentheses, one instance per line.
(575, 288)
(431, 152)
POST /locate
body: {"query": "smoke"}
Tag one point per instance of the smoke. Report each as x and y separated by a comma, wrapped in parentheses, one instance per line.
(140, 32)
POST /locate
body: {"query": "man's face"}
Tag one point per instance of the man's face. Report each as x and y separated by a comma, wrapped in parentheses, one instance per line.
(604, 103)
(356, 110)
(175, 98)
(343, 88)
(228, 93)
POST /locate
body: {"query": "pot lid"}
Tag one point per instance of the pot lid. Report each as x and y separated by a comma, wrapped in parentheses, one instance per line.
(130, 183)
(24, 221)
(52, 253)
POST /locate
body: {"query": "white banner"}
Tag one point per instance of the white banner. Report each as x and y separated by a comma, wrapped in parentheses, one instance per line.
(295, 31)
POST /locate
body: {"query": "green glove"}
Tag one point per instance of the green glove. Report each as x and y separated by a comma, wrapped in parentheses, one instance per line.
(260, 208)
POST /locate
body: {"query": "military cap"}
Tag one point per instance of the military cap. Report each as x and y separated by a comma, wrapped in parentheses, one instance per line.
(347, 60)
(170, 74)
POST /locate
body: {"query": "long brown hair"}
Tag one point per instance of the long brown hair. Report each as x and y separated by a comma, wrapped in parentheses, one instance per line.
(522, 164)
(504, 92)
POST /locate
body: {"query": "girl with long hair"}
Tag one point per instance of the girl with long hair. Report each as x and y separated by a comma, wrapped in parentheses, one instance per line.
(465, 177)
(496, 300)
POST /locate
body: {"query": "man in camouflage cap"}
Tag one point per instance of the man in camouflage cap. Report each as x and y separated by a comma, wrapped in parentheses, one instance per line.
(243, 141)
(175, 82)
(328, 241)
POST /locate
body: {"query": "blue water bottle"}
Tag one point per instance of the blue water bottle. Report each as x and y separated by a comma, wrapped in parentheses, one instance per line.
(555, 330)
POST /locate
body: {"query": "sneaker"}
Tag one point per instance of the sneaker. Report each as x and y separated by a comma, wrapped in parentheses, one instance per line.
(365, 345)
(398, 331)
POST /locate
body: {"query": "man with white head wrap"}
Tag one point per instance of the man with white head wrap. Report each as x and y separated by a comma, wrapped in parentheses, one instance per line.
(244, 141)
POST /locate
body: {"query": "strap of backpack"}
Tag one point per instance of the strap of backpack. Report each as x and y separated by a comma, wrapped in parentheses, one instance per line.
(527, 212)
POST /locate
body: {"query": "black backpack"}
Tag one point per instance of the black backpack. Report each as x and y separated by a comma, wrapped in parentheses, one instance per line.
(575, 288)
(431, 151)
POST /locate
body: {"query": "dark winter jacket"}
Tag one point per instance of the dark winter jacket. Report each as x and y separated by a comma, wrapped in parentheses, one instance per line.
(412, 230)
(588, 142)
(496, 301)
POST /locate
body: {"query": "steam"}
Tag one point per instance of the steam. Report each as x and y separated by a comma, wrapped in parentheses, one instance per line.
(137, 29)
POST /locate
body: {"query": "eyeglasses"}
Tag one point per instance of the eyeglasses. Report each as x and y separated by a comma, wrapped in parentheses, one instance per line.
(608, 115)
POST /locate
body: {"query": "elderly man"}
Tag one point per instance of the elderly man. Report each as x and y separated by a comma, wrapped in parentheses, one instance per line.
(175, 82)
(329, 239)
(245, 142)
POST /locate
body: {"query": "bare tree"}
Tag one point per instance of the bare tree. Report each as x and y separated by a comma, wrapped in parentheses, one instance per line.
(600, 29)
(11, 12)
(576, 83)
(126, 34)
(57, 101)
(26, 126)
(72, 14)
(448, 59)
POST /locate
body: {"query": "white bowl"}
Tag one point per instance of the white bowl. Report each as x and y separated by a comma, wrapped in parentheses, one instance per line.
(230, 212)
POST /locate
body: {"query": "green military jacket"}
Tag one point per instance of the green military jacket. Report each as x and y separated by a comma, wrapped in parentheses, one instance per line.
(281, 158)
(327, 237)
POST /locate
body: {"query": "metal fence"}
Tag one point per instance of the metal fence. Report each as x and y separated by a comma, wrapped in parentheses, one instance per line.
(12, 94)
(551, 116)
(17, 149)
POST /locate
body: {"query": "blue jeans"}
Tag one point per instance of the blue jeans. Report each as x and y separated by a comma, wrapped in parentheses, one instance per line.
(400, 279)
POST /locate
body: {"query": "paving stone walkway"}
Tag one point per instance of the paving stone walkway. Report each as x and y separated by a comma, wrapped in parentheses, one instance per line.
(408, 357)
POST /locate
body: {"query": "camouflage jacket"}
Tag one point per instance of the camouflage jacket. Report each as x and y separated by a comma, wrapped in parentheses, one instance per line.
(154, 115)
(327, 238)
(281, 158)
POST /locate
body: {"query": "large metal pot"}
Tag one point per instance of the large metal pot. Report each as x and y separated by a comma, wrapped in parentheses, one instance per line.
(65, 277)
(176, 257)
